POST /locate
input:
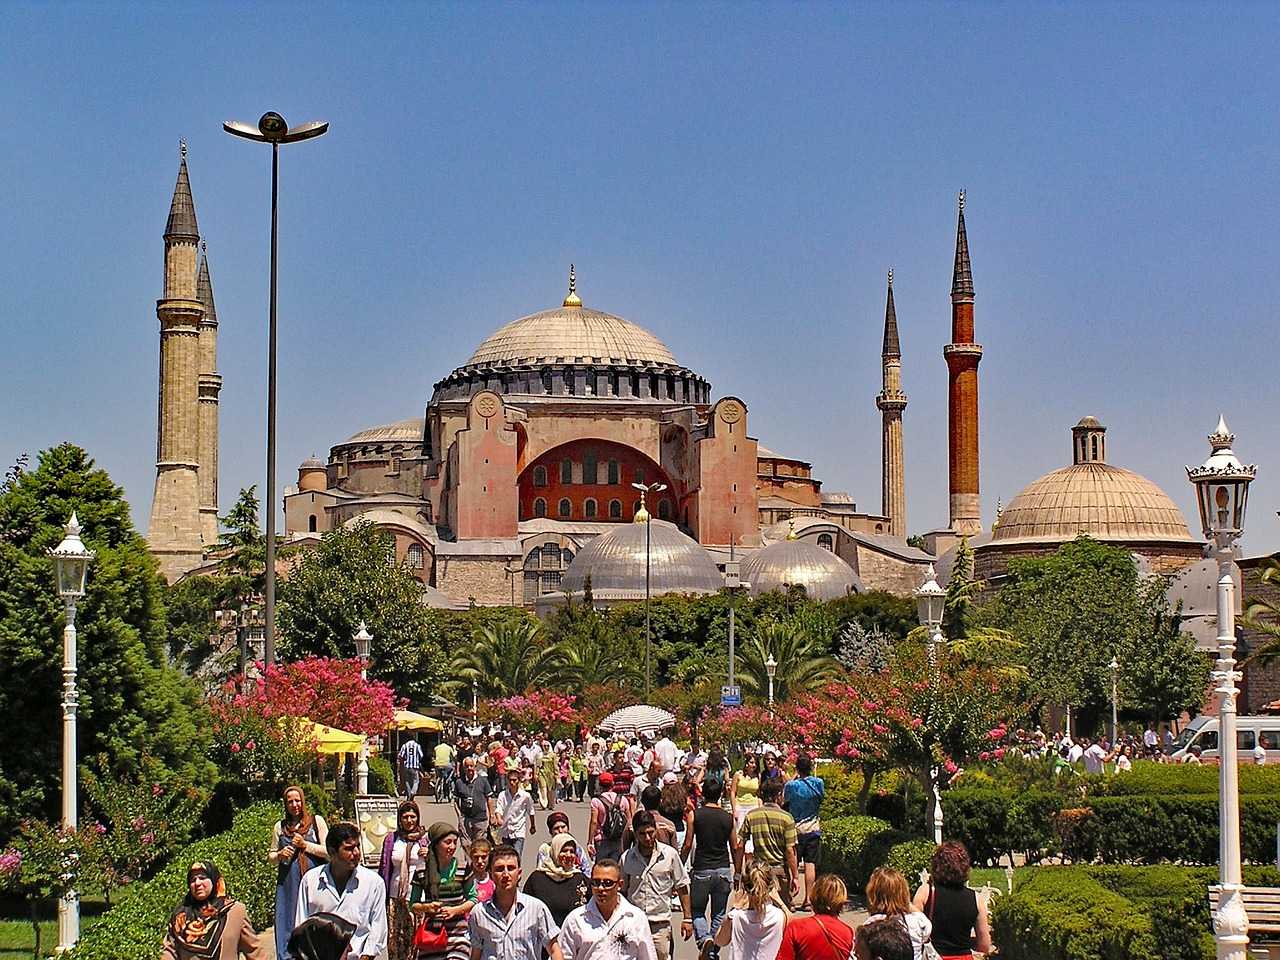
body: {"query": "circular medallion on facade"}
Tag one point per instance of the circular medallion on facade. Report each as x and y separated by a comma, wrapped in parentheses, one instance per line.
(487, 405)
(731, 411)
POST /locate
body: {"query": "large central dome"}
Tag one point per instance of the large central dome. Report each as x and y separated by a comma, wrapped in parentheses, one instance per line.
(571, 334)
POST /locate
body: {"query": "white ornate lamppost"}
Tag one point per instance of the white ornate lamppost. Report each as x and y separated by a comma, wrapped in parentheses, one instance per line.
(1115, 701)
(930, 601)
(642, 516)
(71, 559)
(1222, 493)
(771, 668)
(363, 638)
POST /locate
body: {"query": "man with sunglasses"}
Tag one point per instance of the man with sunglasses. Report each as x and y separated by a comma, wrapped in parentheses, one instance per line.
(608, 927)
(512, 925)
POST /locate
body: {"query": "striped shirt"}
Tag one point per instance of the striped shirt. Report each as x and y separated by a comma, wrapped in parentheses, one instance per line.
(772, 832)
(522, 934)
(410, 755)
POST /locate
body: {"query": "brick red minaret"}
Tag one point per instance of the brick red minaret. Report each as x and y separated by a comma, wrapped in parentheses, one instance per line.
(962, 355)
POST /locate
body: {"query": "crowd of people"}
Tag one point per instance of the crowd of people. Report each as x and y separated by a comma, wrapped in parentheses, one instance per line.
(733, 849)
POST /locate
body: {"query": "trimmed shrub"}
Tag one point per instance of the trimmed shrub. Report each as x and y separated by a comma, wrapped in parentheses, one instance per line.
(134, 929)
(1170, 779)
(888, 806)
(854, 846)
(382, 779)
(319, 800)
(979, 818)
(909, 858)
(1030, 822)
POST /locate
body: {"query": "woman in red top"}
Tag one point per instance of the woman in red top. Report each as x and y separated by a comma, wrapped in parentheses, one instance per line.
(823, 936)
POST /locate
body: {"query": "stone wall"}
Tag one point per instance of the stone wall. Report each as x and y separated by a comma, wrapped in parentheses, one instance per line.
(483, 579)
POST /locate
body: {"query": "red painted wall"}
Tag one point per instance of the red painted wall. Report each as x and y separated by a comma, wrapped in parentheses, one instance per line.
(602, 492)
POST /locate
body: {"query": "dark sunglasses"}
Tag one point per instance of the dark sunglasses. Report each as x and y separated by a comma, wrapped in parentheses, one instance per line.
(601, 882)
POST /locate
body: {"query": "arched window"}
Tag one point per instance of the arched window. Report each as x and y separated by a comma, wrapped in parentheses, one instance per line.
(566, 471)
(534, 561)
(566, 556)
(589, 508)
(570, 381)
(613, 383)
(539, 507)
(653, 385)
(639, 474)
(825, 542)
(415, 556)
(539, 476)
(311, 523)
(591, 382)
(550, 556)
(589, 467)
(565, 509)
(615, 509)
(614, 475)
(664, 509)
(546, 379)
(1094, 441)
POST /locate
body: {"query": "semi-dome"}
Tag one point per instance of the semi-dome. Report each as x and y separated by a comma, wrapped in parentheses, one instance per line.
(571, 334)
(1093, 498)
(800, 563)
(398, 432)
(615, 562)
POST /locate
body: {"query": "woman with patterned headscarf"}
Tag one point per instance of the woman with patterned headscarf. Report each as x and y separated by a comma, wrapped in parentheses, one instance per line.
(297, 845)
(403, 854)
(208, 924)
(444, 893)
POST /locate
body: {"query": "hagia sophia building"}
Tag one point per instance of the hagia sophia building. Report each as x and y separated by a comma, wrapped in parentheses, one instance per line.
(519, 481)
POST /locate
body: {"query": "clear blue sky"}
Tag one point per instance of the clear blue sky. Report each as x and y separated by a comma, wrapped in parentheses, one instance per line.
(735, 177)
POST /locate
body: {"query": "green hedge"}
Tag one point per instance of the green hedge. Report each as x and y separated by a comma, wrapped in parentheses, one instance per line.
(854, 846)
(382, 778)
(1167, 779)
(134, 929)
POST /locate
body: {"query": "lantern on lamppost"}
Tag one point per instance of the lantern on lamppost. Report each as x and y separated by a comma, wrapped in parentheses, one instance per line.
(71, 559)
(771, 668)
(931, 602)
(1222, 493)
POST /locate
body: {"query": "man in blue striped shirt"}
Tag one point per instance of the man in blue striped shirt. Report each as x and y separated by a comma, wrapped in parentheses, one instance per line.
(512, 925)
(410, 757)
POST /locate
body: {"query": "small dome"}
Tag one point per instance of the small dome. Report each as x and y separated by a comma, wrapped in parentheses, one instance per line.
(570, 335)
(1098, 500)
(800, 563)
(402, 430)
(615, 562)
(1089, 423)
(311, 463)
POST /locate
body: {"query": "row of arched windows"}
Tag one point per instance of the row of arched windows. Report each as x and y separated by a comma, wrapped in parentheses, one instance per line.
(590, 472)
(591, 510)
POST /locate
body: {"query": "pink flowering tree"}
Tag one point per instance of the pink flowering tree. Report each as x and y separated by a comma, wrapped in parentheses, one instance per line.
(44, 863)
(543, 711)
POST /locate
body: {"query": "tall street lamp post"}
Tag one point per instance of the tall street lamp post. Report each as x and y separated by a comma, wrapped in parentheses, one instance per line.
(1222, 493)
(642, 516)
(732, 583)
(363, 639)
(1115, 685)
(272, 129)
(930, 601)
(771, 668)
(71, 561)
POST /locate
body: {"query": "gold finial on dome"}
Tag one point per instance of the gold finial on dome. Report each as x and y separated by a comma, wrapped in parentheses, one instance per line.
(791, 530)
(642, 515)
(572, 300)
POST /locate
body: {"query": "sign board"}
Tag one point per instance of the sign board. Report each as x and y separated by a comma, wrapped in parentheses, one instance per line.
(376, 817)
(730, 695)
(732, 574)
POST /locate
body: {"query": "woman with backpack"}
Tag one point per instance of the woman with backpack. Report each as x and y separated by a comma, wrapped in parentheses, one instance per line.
(610, 814)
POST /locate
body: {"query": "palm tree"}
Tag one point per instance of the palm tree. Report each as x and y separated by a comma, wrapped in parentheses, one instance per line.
(596, 653)
(508, 658)
(1263, 615)
(803, 663)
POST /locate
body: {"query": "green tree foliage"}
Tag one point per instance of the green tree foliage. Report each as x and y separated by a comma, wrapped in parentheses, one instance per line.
(507, 659)
(595, 650)
(803, 664)
(351, 577)
(132, 703)
(1084, 604)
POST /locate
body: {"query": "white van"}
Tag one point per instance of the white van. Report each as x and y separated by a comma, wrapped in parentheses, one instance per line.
(1202, 732)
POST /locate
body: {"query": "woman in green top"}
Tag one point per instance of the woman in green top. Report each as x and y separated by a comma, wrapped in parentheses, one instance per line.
(444, 892)
(548, 776)
(578, 773)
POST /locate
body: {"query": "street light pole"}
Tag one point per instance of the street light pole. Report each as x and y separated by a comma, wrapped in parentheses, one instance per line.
(272, 129)
(771, 668)
(1115, 677)
(930, 602)
(642, 516)
(363, 639)
(71, 568)
(1222, 493)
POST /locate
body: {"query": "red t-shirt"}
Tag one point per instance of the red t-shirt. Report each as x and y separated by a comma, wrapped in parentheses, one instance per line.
(816, 938)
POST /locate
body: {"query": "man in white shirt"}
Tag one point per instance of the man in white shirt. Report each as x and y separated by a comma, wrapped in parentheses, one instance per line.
(651, 779)
(352, 891)
(515, 812)
(512, 925)
(1075, 752)
(652, 872)
(1149, 739)
(1260, 751)
(1093, 758)
(666, 751)
(608, 927)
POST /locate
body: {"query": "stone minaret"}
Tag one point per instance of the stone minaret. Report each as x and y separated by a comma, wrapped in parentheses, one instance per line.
(174, 532)
(892, 401)
(210, 385)
(962, 355)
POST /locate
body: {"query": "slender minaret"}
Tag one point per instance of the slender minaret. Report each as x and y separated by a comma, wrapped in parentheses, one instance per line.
(962, 355)
(174, 533)
(892, 401)
(210, 386)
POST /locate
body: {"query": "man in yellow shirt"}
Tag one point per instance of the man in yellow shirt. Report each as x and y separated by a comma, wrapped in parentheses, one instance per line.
(442, 759)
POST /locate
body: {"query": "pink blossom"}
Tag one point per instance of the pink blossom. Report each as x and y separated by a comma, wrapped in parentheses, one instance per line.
(250, 745)
(156, 789)
(998, 753)
(984, 755)
(880, 728)
(950, 767)
(235, 748)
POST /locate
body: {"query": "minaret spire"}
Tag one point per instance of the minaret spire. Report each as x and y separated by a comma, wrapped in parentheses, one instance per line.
(209, 389)
(962, 355)
(892, 401)
(182, 209)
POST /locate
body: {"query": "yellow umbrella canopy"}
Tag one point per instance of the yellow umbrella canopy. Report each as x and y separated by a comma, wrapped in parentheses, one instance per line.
(408, 720)
(332, 740)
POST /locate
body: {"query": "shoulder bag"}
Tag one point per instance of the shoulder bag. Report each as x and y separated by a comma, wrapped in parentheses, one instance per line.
(927, 950)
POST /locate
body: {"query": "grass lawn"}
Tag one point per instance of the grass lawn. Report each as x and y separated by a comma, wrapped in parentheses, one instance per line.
(17, 938)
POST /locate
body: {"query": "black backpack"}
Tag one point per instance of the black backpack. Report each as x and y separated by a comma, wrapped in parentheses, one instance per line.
(615, 819)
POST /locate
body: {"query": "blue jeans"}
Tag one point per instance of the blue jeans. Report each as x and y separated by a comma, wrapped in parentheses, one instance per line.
(714, 886)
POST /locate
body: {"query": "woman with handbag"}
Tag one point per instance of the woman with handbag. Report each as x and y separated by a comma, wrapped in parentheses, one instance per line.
(823, 936)
(442, 896)
(959, 916)
(889, 898)
(297, 845)
(404, 853)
